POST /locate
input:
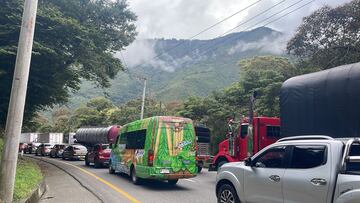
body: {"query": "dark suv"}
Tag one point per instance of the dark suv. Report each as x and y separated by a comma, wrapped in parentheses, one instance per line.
(99, 155)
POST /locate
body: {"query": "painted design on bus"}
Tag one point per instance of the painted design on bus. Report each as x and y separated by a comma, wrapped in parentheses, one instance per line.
(158, 147)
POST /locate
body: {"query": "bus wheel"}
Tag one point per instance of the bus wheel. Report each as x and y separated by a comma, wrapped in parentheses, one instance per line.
(173, 182)
(136, 180)
(111, 170)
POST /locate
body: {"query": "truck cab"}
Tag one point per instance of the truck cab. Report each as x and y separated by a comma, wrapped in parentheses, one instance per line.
(264, 131)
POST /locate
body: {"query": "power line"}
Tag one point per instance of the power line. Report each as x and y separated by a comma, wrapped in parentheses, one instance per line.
(259, 22)
(199, 33)
(249, 20)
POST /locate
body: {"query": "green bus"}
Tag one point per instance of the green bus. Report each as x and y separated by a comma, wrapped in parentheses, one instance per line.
(160, 147)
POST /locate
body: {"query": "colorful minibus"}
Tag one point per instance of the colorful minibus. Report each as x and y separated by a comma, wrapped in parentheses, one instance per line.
(160, 147)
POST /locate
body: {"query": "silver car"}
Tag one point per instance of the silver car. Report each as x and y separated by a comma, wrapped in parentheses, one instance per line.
(74, 151)
(318, 169)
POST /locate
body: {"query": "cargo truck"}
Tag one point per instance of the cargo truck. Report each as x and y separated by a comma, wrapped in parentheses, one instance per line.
(51, 138)
(318, 160)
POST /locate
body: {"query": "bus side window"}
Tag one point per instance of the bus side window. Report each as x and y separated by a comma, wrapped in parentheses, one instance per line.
(136, 139)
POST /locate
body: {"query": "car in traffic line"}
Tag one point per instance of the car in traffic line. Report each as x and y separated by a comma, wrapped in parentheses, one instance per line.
(31, 147)
(43, 149)
(99, 155)
(311, 169)
(74, 152)
(57, 150)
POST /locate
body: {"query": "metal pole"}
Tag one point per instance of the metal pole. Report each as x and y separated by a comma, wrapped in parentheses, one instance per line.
(143, 100)
(17, 102)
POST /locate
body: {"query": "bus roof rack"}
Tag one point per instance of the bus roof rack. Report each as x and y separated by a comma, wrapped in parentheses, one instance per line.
(306, 137)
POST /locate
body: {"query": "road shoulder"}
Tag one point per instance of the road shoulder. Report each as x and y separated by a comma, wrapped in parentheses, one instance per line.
(61, 187)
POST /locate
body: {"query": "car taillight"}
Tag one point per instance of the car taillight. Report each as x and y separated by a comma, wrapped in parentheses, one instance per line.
(150, 157)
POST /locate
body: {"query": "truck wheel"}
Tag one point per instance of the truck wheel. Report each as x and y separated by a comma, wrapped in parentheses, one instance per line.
(136, 180)
(199, 169)
(111, 170)
(221, 163)
(227, 194)
(173, 182)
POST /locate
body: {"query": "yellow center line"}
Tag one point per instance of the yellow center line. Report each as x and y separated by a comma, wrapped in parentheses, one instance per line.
(117, 189)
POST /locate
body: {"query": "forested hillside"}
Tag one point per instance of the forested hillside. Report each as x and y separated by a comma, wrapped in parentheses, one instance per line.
(195, 68)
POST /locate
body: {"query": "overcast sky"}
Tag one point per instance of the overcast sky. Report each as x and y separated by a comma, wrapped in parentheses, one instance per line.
(184, 18)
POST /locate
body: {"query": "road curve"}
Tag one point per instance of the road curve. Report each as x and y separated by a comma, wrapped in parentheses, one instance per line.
(119, 188)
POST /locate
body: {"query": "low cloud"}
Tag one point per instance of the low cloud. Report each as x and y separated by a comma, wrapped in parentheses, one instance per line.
(274, 44)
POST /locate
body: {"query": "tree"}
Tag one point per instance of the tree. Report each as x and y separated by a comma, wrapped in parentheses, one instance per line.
(329, 37)
(74, 39)
(265, 75)
(100, 103)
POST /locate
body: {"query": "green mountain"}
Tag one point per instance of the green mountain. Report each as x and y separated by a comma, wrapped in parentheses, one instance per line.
(194, 68)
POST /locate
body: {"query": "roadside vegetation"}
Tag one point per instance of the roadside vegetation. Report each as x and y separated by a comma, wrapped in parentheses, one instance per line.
(28, 176)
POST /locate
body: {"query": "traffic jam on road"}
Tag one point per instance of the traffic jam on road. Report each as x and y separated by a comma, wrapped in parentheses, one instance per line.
(296, 160)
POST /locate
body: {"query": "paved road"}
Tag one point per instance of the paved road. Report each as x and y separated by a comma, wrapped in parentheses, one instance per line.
(119, 188)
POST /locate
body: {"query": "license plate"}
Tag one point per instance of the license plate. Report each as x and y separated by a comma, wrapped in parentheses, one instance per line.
(164, 170)
(186, 161)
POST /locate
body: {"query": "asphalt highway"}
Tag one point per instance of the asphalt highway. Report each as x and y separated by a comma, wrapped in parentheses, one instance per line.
(119, 188)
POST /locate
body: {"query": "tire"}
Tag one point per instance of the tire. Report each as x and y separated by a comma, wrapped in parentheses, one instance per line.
(87, 163)
(199, 169)
(63, 158)
(221, 163)
(173, 182)
(97, 164)
(227, 194)
(111, 170)
(136, 180)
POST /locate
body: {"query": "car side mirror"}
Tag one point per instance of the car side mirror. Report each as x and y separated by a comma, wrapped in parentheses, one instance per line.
(248, 161)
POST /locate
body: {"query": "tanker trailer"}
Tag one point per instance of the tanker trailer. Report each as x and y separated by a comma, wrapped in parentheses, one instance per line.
(97, 140)
(95, 135)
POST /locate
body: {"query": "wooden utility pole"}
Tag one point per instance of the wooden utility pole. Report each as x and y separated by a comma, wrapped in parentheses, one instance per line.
(17, 102)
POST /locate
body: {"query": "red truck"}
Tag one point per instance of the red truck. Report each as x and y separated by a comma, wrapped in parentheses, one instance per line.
(202, 146)
(265, 131)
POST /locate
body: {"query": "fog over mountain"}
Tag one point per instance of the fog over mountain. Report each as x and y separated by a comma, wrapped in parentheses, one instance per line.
(195, 68)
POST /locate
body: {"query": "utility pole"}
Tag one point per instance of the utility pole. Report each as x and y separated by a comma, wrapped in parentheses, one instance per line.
(143, 100)
(17, 102)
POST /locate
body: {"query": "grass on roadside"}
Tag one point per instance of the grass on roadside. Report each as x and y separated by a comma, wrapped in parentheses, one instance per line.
(28, 176)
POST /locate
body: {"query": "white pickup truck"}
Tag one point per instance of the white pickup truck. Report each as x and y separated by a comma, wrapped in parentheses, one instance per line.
(301, 169)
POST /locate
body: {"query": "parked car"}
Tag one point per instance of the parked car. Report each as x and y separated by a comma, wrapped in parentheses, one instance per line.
(22, 147)
(99, 155)
(31, 147)
(57, 150)
(44, 149)
(74, 151)
(311, 169)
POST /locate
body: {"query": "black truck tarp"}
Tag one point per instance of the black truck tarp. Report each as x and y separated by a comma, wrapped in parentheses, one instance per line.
(322, 103)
